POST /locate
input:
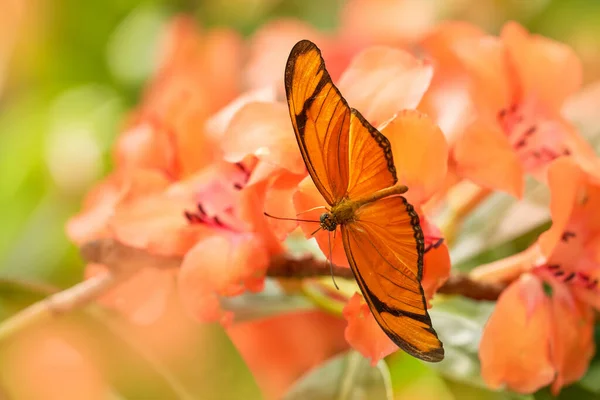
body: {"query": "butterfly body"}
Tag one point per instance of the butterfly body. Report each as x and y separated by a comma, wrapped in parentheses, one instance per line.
(345, 211)
(352, 166)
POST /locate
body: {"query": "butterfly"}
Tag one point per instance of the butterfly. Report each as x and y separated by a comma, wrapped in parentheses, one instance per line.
(352, 166)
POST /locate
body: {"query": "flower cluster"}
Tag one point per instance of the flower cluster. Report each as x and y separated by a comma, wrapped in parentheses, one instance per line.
(211, 148)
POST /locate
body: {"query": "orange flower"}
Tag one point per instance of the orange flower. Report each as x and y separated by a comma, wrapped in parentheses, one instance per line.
(420, 154)
(279, 349)
(533, 339)
(199, 75)
(518, 84)
(515, 346)
(565, 259)
(270, 47)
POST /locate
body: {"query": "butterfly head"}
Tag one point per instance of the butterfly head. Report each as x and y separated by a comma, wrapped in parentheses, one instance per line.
(328, 222)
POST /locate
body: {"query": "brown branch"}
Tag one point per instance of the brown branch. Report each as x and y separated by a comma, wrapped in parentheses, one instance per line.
(286, 266)
(123, 262)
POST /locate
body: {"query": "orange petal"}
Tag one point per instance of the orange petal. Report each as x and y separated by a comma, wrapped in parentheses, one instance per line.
(420, 154)
(484, 155)
(381, 81)
(217, 124)
(485, 61)
(515, 346)
(436, 262)
(539, 60)
(251, 210)
(145, 145)
(132, 297)
(565, 179)
(263, 129)
(158, 223)
(220, 265)
(99, 204)
(306, 198)
(279, 203)
(573, 337)
(363, 333)
(440, 41)
(270, 48)
(279, 349)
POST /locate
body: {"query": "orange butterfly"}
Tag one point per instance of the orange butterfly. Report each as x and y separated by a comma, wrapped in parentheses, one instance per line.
(352, 166)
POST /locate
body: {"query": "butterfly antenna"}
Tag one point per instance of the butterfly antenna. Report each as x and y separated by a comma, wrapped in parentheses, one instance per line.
(289, 219)
(312, 209)
(331, 259)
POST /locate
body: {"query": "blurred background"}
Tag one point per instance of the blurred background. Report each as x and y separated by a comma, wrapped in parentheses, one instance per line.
(71, 70)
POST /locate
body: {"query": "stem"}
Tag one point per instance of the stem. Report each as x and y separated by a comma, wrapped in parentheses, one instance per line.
(461, 208)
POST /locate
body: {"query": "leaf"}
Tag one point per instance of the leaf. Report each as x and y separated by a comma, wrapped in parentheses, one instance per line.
(462, 390)
(591, 380)
(132, 50)
(271, 301)
(349, 376)
(573, 392)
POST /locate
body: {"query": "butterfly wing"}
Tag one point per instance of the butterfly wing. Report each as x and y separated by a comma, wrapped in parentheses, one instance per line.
(321, 120)
(343, 153)
(384, 247)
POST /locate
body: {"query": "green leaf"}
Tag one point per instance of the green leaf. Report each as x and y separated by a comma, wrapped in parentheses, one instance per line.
(271, 301)
(459, 324)
(461, 390)
(573, 392)
(132, 51)
(591, 380)
(348, 376)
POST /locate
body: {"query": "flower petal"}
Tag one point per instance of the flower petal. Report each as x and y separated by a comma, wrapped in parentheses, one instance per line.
(132, 297)
(263, 129)
(440, 41)
(363, 333)
(146, 145)
(220, 265)
(381, 81)
(270, 48)
(306, 199)
(485, 61)
(100, 202)
(420, 154)
(539, 60)
(484, 155)
(436, 262)
(279, 203)
(279, 349)
(565, 179)
(573, 337)
(515, 346)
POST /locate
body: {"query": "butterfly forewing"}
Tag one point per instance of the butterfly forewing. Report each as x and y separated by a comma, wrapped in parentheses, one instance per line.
(385, 251)
(321, 120)
(370, 156)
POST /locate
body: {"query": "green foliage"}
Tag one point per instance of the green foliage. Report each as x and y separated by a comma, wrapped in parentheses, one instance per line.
(346, 377)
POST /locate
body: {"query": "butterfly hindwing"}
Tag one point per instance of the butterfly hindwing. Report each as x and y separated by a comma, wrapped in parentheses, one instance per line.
(384, 247)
